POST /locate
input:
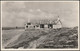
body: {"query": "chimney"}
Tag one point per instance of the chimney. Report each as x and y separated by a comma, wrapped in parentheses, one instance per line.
(28, 20)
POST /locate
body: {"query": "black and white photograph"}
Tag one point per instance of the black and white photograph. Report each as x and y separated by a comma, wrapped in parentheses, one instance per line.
(40, 25)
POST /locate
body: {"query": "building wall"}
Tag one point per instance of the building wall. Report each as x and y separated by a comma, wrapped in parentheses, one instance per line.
(45, 26)
(29, 26)
(56, 26)
(37, 27)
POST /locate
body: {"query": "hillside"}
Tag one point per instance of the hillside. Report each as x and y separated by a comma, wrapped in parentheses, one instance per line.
(47, 38)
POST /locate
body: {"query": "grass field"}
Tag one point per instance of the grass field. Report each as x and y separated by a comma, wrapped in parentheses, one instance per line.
(41, 38)
(8, 34)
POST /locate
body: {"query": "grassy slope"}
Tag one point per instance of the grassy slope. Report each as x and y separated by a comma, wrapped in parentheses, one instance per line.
(8, 34)
(53, 38)
(26, 37)
(64, 38)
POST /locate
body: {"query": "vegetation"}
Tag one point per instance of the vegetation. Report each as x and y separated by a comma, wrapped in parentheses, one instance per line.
(47, 38)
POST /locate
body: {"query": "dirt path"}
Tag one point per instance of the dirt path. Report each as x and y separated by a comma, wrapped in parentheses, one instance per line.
(37, 42)
(11, 40)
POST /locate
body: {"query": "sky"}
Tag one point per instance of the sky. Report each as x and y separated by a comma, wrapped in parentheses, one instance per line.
(18, 13)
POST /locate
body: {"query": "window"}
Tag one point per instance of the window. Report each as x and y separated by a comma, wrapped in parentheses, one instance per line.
(50, 26)
(41, 25)
(26, 26)
(34, 26)
(37, 26)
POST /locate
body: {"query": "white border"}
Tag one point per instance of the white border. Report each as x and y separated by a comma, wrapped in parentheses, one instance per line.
(40, 49)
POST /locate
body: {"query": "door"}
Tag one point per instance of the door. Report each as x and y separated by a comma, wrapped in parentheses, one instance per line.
(50, 26)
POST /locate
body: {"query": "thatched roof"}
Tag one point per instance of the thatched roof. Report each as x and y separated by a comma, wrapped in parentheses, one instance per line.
(54, 22)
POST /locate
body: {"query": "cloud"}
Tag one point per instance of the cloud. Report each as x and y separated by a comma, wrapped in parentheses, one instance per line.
(17, 13)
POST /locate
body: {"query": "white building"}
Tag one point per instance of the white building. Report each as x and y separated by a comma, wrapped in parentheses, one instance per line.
(50, 24)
